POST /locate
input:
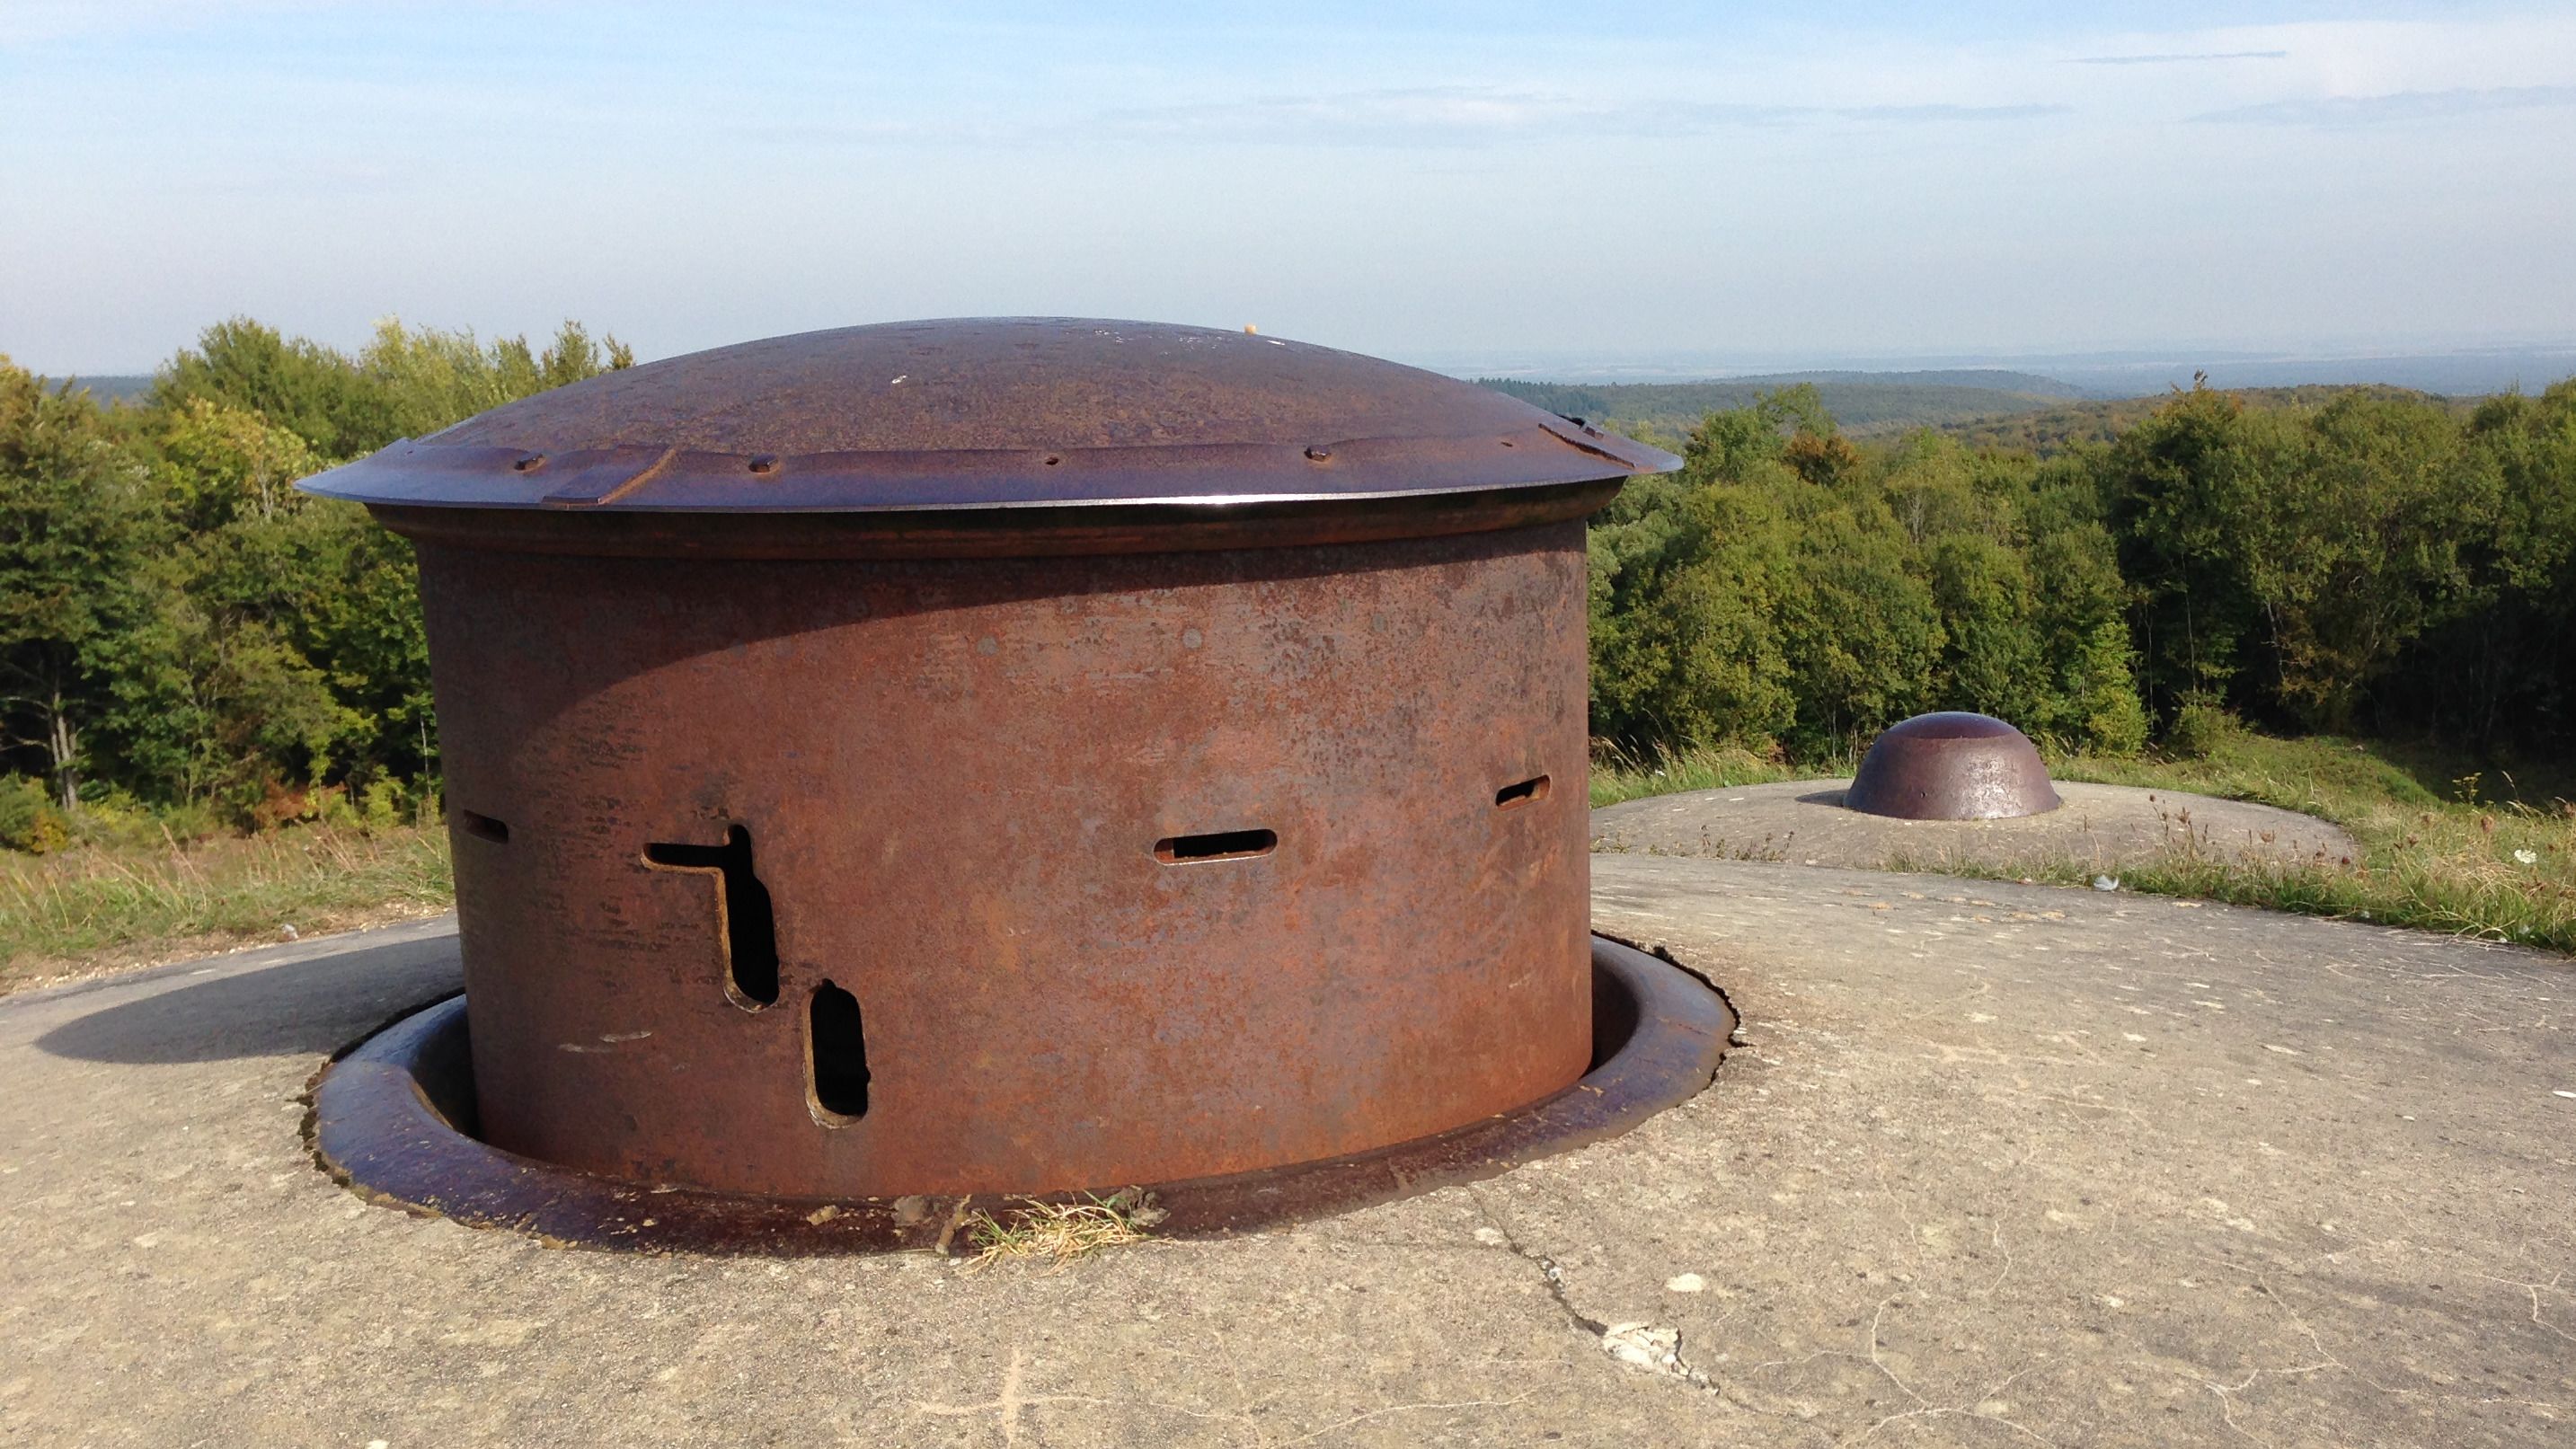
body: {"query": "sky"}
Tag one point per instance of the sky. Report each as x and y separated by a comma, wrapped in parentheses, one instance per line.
(1452, 184)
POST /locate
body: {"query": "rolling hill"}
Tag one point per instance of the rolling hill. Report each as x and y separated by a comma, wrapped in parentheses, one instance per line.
(1864, 403)
(107, 389)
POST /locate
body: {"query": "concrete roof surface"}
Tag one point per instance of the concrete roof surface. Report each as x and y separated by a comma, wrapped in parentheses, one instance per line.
(1997, 1165)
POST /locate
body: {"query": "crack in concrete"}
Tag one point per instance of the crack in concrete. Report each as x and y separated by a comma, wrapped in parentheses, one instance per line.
(2326, 1362)
(2535, 1290)
(1012, 1404)
(1970, 1409)
(1549, 1272)
(1974, 1406)
(1639, 1345)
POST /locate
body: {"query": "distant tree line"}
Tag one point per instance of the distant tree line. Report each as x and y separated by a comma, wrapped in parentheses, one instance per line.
(2382, 562)
(179, 626)
(185, 636)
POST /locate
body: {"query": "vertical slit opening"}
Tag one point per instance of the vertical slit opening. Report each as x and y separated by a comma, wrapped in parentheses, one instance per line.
(1533, 788)
(1218, 845)
(836, 1053)
(751, 926)
(483, 827)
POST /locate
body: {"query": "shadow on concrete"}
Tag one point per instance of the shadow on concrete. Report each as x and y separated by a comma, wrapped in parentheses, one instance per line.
(309, 1007)
(1823, 797)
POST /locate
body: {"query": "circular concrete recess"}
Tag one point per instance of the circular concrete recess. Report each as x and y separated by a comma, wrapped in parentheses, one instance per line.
(394, 1119)
(1952, 766)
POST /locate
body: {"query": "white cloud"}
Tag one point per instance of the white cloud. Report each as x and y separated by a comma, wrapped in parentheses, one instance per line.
(2191, 58)
(2396, 107)
(1475, 115)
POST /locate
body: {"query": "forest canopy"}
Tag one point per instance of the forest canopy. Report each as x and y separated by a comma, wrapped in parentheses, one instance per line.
(178, 625)
(2381, 562)
(184, 634)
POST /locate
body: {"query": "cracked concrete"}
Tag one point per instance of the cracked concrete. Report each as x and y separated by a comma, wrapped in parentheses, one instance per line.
(1999, 1165)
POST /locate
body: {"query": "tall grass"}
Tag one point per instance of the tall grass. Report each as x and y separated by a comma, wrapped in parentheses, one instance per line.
(2439, 850)
(1619, 774)
(105, 904)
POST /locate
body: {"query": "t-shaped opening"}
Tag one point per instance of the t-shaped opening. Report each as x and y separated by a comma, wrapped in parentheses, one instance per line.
(742, 903)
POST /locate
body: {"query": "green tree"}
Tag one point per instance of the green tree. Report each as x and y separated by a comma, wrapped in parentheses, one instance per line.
(2080, 612)
(1992, 659)
(1791, 586)
(2500, 671)
(1860, 627)
(219, 463)
(407, 382)
(294, 653)
(300, 634)
(304, 387)
(80, 534)
(2366, 524)
(1689, 579)
(2185, 491)
(431, 379)
(2284, 560)
(1685, 646)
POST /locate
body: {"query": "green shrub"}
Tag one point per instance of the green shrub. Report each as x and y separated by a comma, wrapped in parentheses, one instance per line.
(2200, 728)
(329, 806)
(380, 804)
(28, 819)
(190, 820)
(111, 817)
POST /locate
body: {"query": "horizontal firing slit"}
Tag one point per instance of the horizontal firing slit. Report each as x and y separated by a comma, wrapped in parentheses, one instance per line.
(1533, 788)
(483, 827)
(1220, 845)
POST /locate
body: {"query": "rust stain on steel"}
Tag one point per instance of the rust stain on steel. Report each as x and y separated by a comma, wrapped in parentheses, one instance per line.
(1952, 766)
(1005, 757)
(954, 779)
(394, 1119)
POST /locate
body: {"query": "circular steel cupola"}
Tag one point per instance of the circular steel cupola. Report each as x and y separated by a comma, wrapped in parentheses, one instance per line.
(1952, 766)
(1009, 756)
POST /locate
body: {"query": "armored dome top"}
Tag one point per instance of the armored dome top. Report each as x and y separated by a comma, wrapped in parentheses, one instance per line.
(988, 413)
(1952, 766)
(1951, 724)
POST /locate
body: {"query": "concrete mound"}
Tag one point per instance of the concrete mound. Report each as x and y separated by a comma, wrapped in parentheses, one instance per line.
(2106, 828)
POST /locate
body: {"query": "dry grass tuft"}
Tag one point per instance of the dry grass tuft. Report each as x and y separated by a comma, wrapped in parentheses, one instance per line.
(1057, 1233)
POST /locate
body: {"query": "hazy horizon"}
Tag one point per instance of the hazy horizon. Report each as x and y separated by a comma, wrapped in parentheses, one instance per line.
(2134, 373)
(1446, 185)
